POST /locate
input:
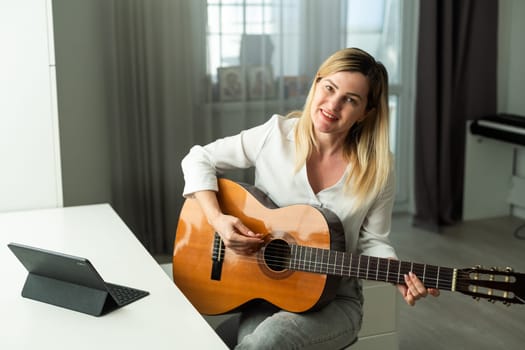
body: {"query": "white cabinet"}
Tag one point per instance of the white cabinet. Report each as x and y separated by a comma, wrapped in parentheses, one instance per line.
(488, 177)
(30, 175)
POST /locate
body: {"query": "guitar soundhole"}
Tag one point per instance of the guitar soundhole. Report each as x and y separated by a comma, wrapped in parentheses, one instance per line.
(277, 255)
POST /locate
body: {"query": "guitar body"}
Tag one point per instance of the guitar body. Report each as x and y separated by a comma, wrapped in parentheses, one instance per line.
(238, 279)
(301, 261)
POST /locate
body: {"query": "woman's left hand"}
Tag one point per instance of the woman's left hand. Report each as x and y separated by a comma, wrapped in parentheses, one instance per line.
(413, 289)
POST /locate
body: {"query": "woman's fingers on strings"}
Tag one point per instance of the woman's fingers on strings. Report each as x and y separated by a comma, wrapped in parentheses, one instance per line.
(245, 231)
(434, 292)
(415, 287)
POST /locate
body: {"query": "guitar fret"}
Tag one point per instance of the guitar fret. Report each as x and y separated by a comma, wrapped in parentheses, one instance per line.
(327, 261)
(309, 258)
(319, 260)
(348, 262)
(418, 270)
(315, 261)
(342, 264)
(358, 266)
(336, 263)
(336, 260)
(377, 269)
(406, 267)
(398, 272)
(395, 265)
(299, 258)
(305, 259)
(437, 278)
(302, 258)
(367, 267)
(296, 258)
(387, 270)
(327, 264)
(291, 261)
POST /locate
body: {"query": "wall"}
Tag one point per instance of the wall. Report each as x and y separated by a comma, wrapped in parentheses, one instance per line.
(511, 74)
(82, 30)
(29, 151)
(82, 33)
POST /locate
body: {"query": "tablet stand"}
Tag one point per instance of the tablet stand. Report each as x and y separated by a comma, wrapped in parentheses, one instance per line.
(68, 295)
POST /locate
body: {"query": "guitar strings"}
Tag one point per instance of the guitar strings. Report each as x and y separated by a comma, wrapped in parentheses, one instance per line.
(389, 277)
(445, 281)
(430, 282)
(344, 270)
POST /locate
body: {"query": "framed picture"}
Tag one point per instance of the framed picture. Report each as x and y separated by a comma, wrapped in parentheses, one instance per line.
(260, 82)
(231, 83)
(295, 86)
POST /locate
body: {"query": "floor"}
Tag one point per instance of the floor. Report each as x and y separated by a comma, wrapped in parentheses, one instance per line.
(454, 320)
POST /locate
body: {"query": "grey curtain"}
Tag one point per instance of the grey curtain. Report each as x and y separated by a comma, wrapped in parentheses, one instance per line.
(154, 68)
(456, 82)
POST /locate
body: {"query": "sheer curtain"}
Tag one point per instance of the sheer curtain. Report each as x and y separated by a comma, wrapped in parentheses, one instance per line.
(155, 77)
(190, 71)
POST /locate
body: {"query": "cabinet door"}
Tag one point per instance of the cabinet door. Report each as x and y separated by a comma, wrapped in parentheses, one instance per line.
(29, 144)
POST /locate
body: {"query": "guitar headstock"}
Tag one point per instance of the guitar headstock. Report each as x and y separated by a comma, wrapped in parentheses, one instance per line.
(494, 284)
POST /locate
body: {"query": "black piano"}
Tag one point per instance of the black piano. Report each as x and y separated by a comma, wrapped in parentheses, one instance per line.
(505, 127)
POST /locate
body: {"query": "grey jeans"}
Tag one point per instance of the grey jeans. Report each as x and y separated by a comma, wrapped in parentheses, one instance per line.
(335, 326)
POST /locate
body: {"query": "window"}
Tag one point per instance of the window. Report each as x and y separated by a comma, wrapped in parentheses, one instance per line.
(251, 34)
(379, 33)
(270, 49)
(237, 26)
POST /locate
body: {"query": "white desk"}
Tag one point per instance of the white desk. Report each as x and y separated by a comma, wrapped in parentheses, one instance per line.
(162, 320)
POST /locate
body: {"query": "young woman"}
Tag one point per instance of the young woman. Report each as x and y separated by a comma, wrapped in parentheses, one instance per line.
(334, 154)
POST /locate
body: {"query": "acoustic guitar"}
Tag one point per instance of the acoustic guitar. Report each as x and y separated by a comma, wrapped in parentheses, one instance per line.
(301, 261)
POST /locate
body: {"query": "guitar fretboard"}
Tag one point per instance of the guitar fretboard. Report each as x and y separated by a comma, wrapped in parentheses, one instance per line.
(365, 267)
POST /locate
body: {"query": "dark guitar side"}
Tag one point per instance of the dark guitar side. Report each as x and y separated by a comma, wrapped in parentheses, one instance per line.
(246, 278)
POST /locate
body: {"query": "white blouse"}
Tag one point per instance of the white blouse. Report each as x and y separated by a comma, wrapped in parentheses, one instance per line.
(270, 149)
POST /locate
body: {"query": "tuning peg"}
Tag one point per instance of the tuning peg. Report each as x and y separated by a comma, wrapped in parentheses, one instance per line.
(476, 298)
(509, 269)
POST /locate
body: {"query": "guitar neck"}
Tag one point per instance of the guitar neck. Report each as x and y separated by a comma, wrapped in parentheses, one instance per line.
(365, 267)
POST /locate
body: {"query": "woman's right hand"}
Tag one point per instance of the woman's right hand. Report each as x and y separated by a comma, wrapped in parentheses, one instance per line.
(236, 235)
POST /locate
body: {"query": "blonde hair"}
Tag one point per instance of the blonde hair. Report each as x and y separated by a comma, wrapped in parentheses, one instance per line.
(367, 145)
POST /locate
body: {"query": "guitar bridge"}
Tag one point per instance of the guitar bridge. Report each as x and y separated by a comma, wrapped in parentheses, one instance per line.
(217, 258)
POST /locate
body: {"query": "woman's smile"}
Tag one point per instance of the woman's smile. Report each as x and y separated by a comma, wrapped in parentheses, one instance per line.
(329, 115)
